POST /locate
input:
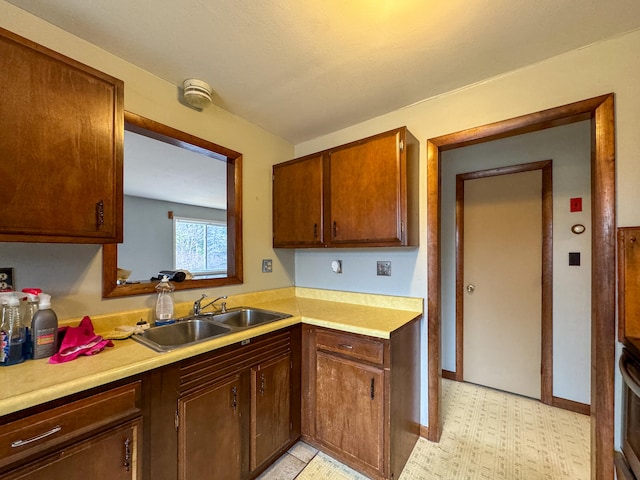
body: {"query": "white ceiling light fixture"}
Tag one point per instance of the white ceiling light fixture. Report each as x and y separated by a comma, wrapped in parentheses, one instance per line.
(197, 93)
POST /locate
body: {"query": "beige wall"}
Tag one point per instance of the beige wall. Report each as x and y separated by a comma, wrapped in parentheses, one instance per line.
(72, 273)
(610, 66)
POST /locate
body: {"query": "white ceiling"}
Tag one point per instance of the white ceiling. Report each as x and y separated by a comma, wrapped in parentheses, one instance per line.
(302, 68)
(158, 170)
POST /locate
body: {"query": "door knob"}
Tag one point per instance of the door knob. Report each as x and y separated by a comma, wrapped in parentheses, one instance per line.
(470, 288)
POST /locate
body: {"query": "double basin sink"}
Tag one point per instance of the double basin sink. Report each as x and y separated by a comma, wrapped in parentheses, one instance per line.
(191, 330)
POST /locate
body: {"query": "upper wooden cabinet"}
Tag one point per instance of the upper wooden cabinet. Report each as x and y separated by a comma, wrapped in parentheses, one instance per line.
(361, 194)
(297, 203)
(61, 147)
(629, 287)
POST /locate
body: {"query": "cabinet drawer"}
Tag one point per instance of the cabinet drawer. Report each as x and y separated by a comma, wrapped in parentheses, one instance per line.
(351, 345)
(41, 431)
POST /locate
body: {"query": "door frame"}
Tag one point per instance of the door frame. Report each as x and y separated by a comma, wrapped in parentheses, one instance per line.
(546, 317)
(600, 110)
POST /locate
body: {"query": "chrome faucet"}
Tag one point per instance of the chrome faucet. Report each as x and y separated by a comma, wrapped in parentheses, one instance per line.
(197, 307)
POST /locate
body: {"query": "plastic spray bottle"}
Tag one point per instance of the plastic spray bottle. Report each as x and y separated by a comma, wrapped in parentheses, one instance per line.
(30, 308)
(12, 333)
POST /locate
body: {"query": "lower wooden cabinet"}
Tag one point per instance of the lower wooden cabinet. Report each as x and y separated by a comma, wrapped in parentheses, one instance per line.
(227, 414)
(210, 435)
(98, 436)
(361, 397)
(113, 454)
(270, 409)
(352, 397)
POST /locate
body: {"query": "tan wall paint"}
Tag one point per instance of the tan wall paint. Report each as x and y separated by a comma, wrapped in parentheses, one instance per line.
(609, 66)
(73, 273)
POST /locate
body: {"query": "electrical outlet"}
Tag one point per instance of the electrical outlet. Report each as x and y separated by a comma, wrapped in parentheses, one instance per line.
(384, 269)
(7, 279)
(267, 265)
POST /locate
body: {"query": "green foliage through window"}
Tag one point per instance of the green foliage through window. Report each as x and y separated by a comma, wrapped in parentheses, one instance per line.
(200, 246)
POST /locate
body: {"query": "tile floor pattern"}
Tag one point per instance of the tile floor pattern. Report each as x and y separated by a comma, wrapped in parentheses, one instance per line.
(487, 434)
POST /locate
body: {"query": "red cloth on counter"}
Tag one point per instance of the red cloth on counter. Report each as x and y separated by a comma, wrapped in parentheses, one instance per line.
(80, 340)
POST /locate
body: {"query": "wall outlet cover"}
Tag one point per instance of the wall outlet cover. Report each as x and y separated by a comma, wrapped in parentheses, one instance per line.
(7, 279)
(384, 269)
(267, 265)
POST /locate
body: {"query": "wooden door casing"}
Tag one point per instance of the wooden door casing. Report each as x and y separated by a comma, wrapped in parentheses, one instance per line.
(601, 111)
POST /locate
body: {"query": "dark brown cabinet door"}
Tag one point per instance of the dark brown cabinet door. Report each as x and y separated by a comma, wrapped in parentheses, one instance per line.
(114, 454)
(366, 192)
(349, 406)
(297, 203)
(210, 434)
(60, 145)
(271, 400)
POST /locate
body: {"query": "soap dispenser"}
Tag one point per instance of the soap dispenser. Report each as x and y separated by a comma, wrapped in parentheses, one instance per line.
(164, 302)
(44, 329)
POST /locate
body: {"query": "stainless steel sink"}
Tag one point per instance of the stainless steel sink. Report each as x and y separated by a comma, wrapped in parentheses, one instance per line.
(191, 330)
(180, 334)
(245, 317)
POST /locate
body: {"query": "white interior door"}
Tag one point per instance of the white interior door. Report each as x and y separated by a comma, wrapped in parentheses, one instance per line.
(502, 278)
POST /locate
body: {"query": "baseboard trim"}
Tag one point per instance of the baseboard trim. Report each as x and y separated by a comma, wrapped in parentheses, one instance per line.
(449, 375)
(424, 432)
(572, 406)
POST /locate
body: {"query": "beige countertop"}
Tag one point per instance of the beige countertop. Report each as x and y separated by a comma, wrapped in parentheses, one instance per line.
(36, 381)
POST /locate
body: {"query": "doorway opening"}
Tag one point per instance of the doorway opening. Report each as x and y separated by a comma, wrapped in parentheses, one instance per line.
(600, 110)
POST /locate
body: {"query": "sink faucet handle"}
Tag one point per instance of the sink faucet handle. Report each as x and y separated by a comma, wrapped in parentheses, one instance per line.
(196, 305)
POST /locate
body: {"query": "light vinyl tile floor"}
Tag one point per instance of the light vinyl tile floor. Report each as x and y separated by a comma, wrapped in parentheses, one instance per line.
(487, 434)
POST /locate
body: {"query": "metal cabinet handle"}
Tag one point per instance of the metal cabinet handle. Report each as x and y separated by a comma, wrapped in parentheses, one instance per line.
(20, 443)
(346, 346)
(373, 388)
(99, 214)
(335, 230)
(315, 231)
(262, 384)
(127, 454)
(234, 398)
